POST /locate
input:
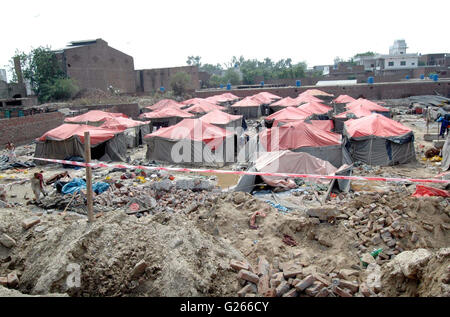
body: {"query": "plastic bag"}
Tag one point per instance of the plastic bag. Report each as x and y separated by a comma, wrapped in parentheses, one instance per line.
(425, 191)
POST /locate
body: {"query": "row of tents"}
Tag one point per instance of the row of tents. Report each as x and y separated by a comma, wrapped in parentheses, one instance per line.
(367, 133)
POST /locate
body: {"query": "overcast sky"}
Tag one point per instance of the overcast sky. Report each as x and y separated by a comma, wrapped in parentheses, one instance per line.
(163, 33)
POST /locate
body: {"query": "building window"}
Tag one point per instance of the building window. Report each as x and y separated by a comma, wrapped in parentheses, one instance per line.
(412, 63)
(402, 63)
(372, 65)
(391, 64)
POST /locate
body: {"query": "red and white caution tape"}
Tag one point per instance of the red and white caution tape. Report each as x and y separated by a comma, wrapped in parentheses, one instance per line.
(198, 170)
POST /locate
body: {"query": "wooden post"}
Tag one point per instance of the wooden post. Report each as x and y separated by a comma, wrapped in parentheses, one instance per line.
(87, 159)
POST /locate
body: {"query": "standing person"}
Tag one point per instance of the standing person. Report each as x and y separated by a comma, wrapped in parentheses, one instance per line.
(11, 152)
(37, 185)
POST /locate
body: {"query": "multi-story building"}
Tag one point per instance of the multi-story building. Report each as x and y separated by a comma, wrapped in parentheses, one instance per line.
(396, 59)
(94, 64)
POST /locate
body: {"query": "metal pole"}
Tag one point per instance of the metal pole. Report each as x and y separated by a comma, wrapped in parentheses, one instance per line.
(87, 159)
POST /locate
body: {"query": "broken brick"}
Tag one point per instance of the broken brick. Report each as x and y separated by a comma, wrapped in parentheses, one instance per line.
(30, 222)
(314, 289)
(291, 293)
(13, 280)
(352, 287)
(238, 265)
(283, 288)
(341, 292)
(305, 283)
(292, 271)
(248, 276)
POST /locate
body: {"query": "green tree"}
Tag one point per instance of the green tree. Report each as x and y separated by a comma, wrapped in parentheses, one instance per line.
(368, 53)
(194, 61)
(47, 79)
(231, 76)
(212, 69)
(181, 83)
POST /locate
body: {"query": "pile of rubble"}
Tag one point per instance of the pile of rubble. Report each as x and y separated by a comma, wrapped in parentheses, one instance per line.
(139, 196)
(294, 279)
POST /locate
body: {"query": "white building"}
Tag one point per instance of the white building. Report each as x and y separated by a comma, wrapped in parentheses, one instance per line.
(396, 59)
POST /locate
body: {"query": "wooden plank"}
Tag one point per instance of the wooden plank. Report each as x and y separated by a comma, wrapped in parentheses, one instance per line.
(87, 158)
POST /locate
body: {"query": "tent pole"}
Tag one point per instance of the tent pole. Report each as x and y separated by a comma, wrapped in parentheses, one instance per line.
(87, 159)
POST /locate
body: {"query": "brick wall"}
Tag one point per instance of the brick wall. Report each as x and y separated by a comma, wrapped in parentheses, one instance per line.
(23, 130)
(372, 91)
(150, 80)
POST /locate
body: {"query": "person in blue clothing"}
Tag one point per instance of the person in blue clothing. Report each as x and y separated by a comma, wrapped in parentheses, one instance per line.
(444, 126)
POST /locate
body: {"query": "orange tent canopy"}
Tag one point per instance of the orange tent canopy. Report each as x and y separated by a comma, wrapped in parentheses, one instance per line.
(219, 117)
(376, 125)
(315, 108)
(367, 105)
(164, 103)
(344, 99)
(195, 130)
(65, 131)
(247, 102)
(166, 113)
(287, 102)
(296, 135)
(95, 116)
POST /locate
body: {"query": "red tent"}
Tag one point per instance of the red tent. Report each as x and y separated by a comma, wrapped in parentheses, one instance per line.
(344, 99)
(307, 98)
(121, 123)
(164, 103)
(247, 102)
(193, 101)
(203, 106)
(297, 135)
(326, 125)
(222, 98)
(219, 117)
(367, 105)
(287, 102)
(315, 92)
(375, 125)
(288, 114)
(95, 116)
(315, 108)
(65, 131)
(265, 97)
(194, 130)
(358, 111)
(166, 113)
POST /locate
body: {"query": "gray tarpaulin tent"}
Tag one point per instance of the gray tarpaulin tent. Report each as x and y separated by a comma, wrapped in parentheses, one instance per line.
(68, 140)
(192, 142)
(377, 140)
(289, 162)
(304, 137)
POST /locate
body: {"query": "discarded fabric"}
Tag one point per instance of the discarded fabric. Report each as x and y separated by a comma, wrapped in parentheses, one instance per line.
(74, 186)
(100, 187)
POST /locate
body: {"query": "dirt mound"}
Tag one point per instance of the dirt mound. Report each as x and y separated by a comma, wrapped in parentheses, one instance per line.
(418, 273)
(179, 259)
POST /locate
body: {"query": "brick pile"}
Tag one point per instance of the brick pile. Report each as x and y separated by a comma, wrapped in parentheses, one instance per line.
(290, 279)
